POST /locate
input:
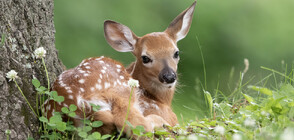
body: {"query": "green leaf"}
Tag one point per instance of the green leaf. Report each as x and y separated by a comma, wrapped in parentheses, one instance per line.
(65, 110)
(96, 135)
(30, 138)
(61, 126)
(53, 94)
(41, 89)
(105, 137)
(161, 132)
(262, 90)
(36, 83)
(148, 134)
(209, 100)
(57, 113)
(72, 114)
(87, 128)
(95, 107)
(248, 98)
(72, 107)
(43, 119)
(59, 99)
(138, 130)
(86, 121)
(55, 119)
(70, 128)
(52, 124)
(97, 124)
(83, 134)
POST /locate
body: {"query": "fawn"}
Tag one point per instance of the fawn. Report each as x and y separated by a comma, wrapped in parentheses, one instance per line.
(103, 81)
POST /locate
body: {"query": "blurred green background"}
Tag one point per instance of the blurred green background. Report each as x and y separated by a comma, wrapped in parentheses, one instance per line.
(228, 31)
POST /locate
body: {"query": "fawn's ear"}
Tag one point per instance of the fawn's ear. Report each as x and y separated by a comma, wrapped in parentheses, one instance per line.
(180, 26)
(119, 36)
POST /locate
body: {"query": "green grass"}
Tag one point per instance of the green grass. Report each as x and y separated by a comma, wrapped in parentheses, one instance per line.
(262, 110)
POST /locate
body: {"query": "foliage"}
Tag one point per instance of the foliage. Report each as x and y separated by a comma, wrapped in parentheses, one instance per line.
(57, 128)
(255, 112)
(259, 113)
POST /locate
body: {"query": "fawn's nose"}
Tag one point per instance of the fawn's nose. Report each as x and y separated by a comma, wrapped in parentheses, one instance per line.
(167, 75)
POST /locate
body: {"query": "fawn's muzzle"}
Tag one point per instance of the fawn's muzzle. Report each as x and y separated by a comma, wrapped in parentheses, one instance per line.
(167, 75)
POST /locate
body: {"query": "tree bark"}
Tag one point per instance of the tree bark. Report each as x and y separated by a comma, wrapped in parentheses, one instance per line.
(26, 25)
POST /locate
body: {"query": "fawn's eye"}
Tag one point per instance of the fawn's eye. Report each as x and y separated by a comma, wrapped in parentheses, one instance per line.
(176, 55)
(146, 59)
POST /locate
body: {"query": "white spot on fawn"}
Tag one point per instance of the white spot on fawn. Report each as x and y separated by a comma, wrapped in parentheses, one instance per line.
(98, 86)
(118, 70)
(82, 81)
(87, 67)
(101, 61)
(81, 71)
(99, 80)
(69, 91)
(104, 67)
(70, 96)
(62, 84)
(106, 85)
(121, 77)
(48, 107)
(82, 89)
(118, 66)
(118, 82)
(85, 63)
(104, 106)
(92, 88)
(86, 74)
(114, 84)
(100, 75)
(103, 71)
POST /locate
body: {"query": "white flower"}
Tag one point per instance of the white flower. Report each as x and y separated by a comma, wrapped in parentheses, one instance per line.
(220, 130)
(133, 83)
(287, 134)
(7, 132)
(249, 122)
(40, 52)
(192, 137)
(237, 137)
(11, 75)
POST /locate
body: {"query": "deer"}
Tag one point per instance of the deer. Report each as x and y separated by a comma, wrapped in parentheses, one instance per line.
(103, 81)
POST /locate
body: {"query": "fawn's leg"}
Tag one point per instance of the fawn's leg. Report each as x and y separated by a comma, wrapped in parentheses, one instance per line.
(135, 117)
(106, 117)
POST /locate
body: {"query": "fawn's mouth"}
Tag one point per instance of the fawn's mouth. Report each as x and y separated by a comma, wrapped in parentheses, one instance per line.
(170, 85)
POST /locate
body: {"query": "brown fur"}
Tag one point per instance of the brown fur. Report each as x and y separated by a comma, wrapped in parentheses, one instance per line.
(103, 81)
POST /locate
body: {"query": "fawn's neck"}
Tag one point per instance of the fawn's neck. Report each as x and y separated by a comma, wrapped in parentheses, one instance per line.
(155, 91)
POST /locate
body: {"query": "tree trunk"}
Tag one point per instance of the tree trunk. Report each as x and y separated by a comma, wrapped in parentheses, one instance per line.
(24, 26)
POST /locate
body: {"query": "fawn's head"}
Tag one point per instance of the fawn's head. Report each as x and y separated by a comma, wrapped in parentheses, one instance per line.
(157, 53)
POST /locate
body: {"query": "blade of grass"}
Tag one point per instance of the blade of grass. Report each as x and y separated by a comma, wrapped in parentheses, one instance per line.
(274, 71)
(203, 63)
(2, 39)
